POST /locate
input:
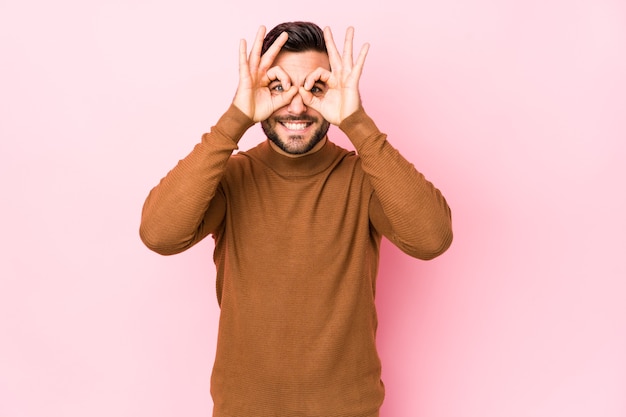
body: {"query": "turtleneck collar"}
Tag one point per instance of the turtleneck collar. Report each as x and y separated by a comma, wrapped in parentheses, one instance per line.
(302, 166)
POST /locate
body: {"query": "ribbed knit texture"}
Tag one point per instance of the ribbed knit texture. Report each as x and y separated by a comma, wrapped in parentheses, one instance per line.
(296, 251)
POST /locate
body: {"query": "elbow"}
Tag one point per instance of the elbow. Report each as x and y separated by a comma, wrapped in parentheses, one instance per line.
(429, 245)
(440, 238)
(436, 246)
(157, 244)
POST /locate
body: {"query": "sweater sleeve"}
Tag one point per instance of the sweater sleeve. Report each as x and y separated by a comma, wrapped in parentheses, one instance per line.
(186, 205)
(405, 207)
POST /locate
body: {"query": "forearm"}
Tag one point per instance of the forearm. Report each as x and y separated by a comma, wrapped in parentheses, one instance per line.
(418, 219)
(174, 210)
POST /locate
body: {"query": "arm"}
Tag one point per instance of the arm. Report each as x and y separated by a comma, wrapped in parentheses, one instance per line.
(405, 207)
(186, 205)
(183, 208)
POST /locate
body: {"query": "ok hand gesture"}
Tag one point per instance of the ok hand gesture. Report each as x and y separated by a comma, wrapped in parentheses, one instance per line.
(253, 96)
(341, 97)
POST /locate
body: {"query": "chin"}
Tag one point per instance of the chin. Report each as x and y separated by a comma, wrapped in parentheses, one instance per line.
(296, 146)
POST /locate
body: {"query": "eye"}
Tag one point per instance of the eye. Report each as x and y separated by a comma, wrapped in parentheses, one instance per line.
(318, 89)
(276, 87)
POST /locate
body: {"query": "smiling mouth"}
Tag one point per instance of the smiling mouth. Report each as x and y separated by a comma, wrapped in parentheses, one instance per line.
(296, 125)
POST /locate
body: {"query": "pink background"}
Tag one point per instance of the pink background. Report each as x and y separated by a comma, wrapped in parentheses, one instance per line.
(516, 110)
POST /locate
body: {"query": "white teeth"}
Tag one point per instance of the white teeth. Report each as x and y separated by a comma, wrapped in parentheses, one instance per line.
(295, 126)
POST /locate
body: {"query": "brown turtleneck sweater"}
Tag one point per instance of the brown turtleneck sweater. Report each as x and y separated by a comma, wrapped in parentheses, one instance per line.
(296, 251)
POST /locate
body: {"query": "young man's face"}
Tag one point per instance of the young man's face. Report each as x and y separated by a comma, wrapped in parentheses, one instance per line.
(296, 129)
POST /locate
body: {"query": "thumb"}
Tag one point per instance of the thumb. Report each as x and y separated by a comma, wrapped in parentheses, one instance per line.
(309, 99)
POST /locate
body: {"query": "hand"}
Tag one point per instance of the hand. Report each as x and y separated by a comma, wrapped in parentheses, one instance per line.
(253, 96)
(341, 97)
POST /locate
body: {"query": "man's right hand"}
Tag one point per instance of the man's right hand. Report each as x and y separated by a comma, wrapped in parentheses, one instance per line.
(254, 97)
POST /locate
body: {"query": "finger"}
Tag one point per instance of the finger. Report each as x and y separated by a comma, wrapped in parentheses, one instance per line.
(360, 61)
(333, 54)
(270, 55)
(307, 97)
(285, 98)
(319, 74)
(243, 59)
(255, 52)
(310, 100)
(277, 73)
(347, 48)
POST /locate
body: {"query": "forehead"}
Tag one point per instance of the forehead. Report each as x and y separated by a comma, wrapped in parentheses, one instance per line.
(300, 64)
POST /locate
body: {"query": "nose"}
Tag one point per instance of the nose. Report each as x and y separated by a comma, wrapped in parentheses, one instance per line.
(297, 105)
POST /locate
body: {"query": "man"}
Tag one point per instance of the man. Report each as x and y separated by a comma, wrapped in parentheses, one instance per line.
(297, 223)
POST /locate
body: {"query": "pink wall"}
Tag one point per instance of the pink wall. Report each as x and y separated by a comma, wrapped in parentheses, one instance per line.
(515, 109)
